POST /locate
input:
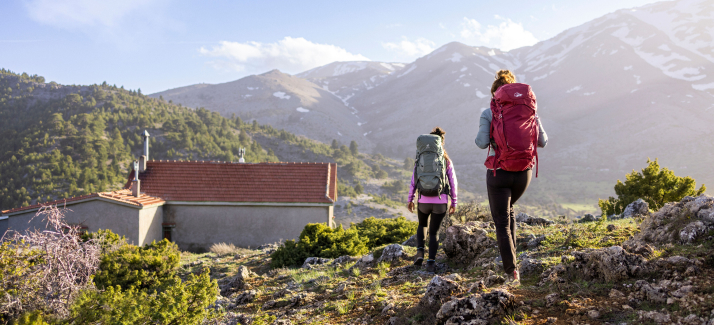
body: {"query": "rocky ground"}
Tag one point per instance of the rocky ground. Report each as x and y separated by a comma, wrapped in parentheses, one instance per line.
(649, 268)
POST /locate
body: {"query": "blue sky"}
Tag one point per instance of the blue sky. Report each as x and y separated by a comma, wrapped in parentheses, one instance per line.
(160, 44)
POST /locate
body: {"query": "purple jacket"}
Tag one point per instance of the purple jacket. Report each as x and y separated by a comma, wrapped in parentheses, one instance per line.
(451, 175)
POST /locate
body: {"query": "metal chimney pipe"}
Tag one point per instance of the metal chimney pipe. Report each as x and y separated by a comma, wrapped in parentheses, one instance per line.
(146, 144)
(241, 154)
(136, 170)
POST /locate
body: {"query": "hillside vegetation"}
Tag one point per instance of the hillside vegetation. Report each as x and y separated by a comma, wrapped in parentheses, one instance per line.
(62, 141)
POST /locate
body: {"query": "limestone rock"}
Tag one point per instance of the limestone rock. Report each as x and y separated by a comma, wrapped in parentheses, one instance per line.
(684, 222)
(342, 260)
(392, 253)
(438, 290)
(655, 316)
(531, 266)
(636, 208)
(236, 282)
(533, 221)
(551, 299)
(314, 261)
(463, 243)
(535, 242)
(411, 242)
(476, 308)
(246, 297)
(616, 294)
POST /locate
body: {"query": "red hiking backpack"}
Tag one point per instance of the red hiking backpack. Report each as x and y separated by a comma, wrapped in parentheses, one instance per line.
(514, 129)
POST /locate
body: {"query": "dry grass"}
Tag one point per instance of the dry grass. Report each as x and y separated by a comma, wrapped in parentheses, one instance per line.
(223, 249)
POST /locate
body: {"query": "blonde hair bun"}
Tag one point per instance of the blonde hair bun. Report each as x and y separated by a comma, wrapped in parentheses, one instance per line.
(503, 77)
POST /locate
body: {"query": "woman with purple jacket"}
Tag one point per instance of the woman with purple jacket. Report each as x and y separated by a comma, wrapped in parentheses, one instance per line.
(434, 206)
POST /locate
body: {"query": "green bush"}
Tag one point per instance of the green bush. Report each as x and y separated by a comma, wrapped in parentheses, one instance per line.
(385, 231)
(344, 189)
(381, 174)
(178, 303)
(395, 186)
(108, 240)
(319, 240)
(654, 185)
(147, 267)
(359, 189)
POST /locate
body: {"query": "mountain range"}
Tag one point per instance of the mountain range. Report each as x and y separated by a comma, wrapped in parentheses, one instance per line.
(633, 84)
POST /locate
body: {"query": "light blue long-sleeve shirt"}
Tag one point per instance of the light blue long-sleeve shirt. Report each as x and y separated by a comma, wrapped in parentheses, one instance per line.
(483, 138)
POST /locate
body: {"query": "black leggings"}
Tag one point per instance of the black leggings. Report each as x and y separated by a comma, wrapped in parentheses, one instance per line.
(504, 190)
(437, 211)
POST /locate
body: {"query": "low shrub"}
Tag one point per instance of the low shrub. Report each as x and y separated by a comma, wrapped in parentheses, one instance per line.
(178, 303)
(145, 267)
(385, 231)
(319, 240)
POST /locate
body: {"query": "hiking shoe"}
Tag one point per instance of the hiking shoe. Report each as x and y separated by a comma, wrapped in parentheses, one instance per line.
(513, 280)
(419, 257)
(499, 260)
(431, 266)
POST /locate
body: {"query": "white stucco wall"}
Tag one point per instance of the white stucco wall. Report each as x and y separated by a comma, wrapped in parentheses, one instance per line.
(97, 214)
(198, 227)
(150, 220)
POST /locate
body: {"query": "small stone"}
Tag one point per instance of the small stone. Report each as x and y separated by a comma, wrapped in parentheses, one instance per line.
(616, 294)
(551, 299)
(551, 320)
(594, 314)
(611, 227)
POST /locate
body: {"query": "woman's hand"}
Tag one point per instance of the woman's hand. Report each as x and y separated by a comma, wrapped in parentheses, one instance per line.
(410, 207)
(452, 209)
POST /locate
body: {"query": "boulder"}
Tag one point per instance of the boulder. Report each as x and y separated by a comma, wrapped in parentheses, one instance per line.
(463, 243)
(654, 316)
(438, 290)
(246, 297)
(610, 264)
(236, 282)
(522, 217)
(342, 260)
(587, 218)
(530, 266)
(683, 222)
(392, 253)
(480, 308)
(310, 261)
(538, 221)
(636, 208)
(365, 261)
(411, 242)
(535, 242)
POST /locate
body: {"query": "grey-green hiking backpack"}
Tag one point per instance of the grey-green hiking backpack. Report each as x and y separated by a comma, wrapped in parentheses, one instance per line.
(430, 166)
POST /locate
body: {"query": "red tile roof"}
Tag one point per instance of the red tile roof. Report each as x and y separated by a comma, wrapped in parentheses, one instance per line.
(212, 181)
(122, 196)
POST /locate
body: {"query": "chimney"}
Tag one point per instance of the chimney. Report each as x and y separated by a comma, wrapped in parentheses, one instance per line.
(142, 163)
(146, 144)
(241, 154)
(136, 183)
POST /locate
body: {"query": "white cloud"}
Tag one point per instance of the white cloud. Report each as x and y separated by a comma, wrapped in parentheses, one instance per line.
(409, 49)
(506, 36)
(124, 23)
(80, 13)
(290, 55)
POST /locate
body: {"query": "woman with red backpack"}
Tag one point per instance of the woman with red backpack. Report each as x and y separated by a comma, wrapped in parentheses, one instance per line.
(512, 131)
(435, 179)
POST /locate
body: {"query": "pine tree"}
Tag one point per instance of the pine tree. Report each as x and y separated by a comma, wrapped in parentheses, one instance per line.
(654, 185)
(354, 148)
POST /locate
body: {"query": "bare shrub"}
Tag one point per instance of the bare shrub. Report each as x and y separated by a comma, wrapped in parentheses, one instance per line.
(45, 269)
(472, 211)
(223, 249)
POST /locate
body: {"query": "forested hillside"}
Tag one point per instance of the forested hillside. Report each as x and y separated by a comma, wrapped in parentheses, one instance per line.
(61, 141)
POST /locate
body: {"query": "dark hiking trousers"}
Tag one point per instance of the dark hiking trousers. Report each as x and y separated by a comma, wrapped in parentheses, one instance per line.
(437, 212)
(504, 190)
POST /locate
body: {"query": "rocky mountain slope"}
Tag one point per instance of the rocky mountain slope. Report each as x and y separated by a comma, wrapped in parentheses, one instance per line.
(629, 85)
(649, 268)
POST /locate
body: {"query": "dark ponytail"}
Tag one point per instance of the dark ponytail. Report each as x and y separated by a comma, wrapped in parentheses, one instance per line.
(440, 132)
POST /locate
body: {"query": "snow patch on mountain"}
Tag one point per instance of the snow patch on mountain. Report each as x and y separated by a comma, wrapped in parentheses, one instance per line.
(302, 110)
(281, 95)
(408, 71)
